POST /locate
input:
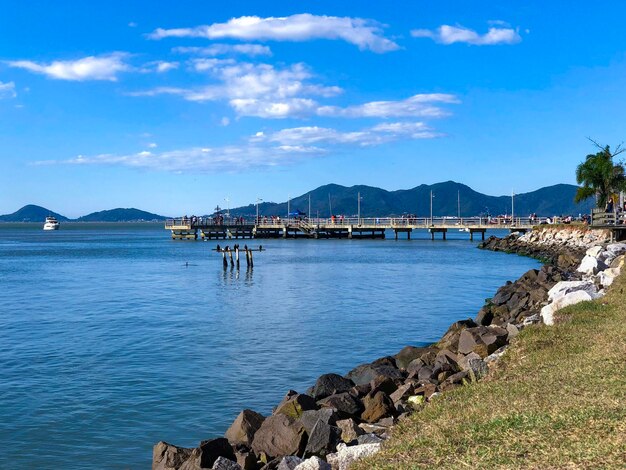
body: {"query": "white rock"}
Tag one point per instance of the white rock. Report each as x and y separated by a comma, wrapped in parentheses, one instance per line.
(313, 463)
(590, 266)
(547, 312)
(617, 248)
(611, 252)
(562, 288)
(345, 456)
(606, 277)
(594, 251)
(496, 355)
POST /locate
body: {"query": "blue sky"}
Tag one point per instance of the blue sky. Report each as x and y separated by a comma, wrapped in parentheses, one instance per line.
(174, 107)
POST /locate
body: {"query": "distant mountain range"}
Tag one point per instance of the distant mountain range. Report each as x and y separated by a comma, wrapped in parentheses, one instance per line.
(32, 213)
(375, 202)
(120, 215)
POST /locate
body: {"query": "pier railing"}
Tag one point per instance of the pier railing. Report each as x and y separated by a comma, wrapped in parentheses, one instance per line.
(601, 218)
(375, 222)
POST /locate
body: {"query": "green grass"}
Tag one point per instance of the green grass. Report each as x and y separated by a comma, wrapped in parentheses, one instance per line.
(557, 399)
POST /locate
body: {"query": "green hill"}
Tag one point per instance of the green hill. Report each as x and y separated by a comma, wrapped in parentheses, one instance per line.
(121, 215)
(31, 213)
(548, 201)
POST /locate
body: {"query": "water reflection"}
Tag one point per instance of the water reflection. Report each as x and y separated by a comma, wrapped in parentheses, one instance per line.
(232, 274)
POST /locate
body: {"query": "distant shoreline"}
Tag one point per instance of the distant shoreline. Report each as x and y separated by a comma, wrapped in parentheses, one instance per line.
(77, 222)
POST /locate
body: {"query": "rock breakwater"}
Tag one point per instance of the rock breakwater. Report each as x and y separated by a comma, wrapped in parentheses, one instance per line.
(343, 418)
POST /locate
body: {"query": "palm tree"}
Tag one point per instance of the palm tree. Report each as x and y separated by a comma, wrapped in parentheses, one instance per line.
(599, 176)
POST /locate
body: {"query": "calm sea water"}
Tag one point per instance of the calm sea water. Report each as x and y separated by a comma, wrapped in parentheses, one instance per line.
(113, 337)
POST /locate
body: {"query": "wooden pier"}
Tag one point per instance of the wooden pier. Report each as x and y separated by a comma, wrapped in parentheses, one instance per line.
(615, 222)
(342, 228)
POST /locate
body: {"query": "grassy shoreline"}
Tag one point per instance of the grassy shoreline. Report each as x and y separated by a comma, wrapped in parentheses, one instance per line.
(556, 399)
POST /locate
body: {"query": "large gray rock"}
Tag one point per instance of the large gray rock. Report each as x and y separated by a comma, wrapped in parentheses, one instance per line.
(294, 404)
(346, 405)
(404, 391)
(322, 440)
(384, 384)
(482, 340)
(224, 464)
(414, 367)
(169, 457)
(241, 432)
(445, 360)
(279, 436)
(369, 438)
(365, 373)
(211, 449)
(450, 339)
(385, 361)
(330, 384)
(346, 456)
(310, 418)
(408, 354)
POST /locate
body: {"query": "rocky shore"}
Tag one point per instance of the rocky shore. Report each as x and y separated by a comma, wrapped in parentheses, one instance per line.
(343, 418)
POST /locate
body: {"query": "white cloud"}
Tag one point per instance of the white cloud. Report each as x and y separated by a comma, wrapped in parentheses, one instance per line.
(263, 150)
(213, 50)
(152, 145)
(447, 35)
(366, 34)
(376, 135)
(219, 159)
(132, 24)
(163, 66)
(420, 105)
(224, 121)
(260, 90)
(103, 67)
(7, 90)
(278, 109)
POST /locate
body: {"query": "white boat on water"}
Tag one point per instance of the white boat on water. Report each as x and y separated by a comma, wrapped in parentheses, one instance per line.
(51, 224)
